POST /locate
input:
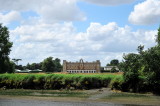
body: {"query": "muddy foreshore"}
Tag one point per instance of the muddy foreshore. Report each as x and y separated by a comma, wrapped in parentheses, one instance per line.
(103, 97)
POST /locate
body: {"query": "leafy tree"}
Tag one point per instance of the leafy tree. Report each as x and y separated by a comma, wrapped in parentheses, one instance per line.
(28, 66)
(142, 71)
(151, 66)
(20, 67)
(5, 48)
(158, 37)
(151, 61)
(131, 65)
(58, 66)
(34, 66)
(10, 66)
(50, 65)
(113, 62)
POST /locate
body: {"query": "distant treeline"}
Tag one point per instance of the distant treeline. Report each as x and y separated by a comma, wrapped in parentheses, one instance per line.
(47, 65)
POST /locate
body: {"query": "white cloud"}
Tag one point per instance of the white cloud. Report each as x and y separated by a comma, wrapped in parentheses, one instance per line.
(97, 32)
(9, 17)
(61, 10)
(42, 32)
(109, 2)
(48, 10)
(35, 42)
(118, 39)
(146, 13)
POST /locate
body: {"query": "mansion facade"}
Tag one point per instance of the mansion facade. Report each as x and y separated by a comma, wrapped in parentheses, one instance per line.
(81, 67)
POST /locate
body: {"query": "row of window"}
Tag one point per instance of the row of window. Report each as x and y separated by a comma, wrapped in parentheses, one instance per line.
(81, 71)
(85, 66)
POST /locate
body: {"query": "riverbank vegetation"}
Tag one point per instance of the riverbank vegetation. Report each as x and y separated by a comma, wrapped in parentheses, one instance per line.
(58, 81)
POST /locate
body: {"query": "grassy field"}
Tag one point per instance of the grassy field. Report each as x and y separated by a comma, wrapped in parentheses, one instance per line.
(58, 81)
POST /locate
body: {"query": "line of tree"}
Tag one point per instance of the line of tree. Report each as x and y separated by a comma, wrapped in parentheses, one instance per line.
(142, 70)
(47, 65)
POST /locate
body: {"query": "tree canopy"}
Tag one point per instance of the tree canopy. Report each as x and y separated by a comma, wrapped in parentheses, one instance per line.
(113, 62)
(51, 65)
(5, 47)
(142, 70)
(158, 37)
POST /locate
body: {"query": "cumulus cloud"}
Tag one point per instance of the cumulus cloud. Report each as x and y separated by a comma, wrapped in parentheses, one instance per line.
(109, 2)
(9, 17)
(112, 38)
(42, 32)
(36, 42)
(61, 10)
(146, 13)
(48, 10)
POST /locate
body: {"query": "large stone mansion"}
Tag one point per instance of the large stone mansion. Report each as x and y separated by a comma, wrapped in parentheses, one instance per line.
(81, 67)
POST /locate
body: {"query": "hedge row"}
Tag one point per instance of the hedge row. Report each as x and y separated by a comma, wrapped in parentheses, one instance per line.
(57, 81)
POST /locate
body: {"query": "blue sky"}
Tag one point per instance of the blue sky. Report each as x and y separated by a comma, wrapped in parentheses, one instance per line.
(73, 29)
(106, 14)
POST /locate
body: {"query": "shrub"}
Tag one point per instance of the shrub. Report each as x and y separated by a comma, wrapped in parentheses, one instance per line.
(116, 83)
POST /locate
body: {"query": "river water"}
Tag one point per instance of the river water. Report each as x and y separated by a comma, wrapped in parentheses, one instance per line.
(17, 102)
